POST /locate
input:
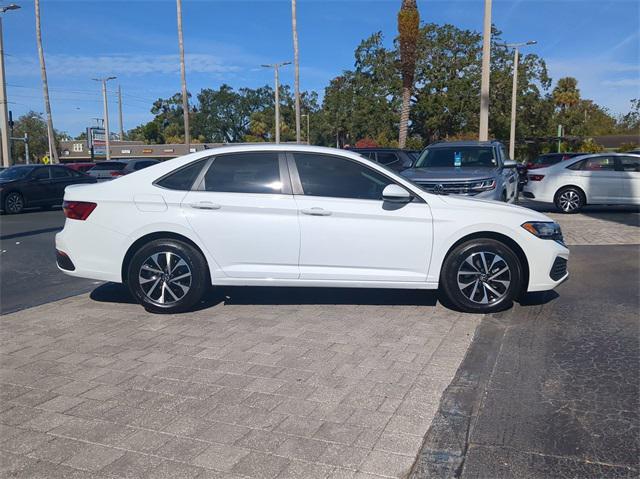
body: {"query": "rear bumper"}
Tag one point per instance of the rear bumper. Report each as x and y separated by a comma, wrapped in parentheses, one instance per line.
(94, 252)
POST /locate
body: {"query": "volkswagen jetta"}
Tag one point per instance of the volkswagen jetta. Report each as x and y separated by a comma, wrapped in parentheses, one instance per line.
(291, 215)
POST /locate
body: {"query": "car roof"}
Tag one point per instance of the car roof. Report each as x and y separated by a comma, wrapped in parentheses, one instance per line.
(446, 144)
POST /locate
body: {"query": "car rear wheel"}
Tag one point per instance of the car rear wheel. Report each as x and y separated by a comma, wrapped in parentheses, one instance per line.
(481, 276)
(13, 203)
(168, 276)
(570, 200)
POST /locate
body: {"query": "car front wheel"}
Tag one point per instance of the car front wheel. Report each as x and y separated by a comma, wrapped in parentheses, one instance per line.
(168, 276)
(481, 276)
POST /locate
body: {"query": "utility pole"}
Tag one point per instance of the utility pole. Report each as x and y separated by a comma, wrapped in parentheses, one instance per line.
(514, 93)
(53, 152)
(183, 74)
(276, 68)
(120, 112)
(5, 150)
(296, 61)
(107, 134)
(486, 72)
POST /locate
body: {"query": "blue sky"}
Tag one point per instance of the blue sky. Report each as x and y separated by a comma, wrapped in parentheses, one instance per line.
(597, 42)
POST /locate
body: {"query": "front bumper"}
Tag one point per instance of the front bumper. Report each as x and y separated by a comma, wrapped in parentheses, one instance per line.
(549, 267)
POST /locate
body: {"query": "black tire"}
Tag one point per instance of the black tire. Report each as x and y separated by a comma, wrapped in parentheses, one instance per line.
(478, 282)
(13, 203)
(570, 200)
(168, 295)
(503, 196)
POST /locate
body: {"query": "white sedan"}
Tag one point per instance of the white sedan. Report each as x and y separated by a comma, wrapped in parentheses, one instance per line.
(291, 215)
(601, 179)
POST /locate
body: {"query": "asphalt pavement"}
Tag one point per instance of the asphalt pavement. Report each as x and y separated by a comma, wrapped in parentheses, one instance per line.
(550, 390)
(28, 273)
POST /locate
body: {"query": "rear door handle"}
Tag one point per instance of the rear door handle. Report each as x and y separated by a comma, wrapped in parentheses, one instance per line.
(316, 212)
(205, 205)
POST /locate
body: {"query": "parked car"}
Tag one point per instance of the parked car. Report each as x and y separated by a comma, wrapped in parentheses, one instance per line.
(80, 167)
(108, 170)
(472, 168)
(548, 159)
(294, 215)
(601, 179)
(394, 158)
(23, 186)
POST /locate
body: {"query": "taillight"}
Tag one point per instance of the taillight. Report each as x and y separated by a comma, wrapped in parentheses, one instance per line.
(536, 177)
(117, 173)
(78, 210)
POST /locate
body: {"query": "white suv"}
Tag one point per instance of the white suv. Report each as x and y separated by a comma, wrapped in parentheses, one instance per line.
(291, 215)
(602, 179)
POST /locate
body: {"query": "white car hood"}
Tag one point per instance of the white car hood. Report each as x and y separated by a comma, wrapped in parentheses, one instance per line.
(498, 208)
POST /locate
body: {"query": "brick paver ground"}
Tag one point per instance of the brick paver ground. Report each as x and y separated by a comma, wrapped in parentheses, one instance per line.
(596, 225)
(100, 389)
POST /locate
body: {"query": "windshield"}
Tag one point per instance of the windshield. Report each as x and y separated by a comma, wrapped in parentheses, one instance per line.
(15, 173)
(458, 156)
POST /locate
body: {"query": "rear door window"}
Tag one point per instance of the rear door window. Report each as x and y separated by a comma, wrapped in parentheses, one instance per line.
(602, 163)
(61, 172)
(41, 173)
(257, 172)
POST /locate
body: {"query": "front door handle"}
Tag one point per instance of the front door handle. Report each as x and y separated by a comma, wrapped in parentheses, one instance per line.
(205, 205)
(315, 212)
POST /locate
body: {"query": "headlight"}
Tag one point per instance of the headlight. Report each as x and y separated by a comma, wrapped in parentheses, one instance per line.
(545, 230)
(483, 185)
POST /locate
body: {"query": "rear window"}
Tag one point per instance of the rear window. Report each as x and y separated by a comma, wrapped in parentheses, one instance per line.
(183, 178)
(109, 165)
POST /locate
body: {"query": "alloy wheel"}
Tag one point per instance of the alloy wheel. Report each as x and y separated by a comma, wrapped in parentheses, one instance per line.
(165, 277)
(484, 277)
(569, 201)
(14, 203)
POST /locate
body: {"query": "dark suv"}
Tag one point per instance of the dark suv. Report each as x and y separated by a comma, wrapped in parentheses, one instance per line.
(471, 168)
(22, 186)
(394, 158)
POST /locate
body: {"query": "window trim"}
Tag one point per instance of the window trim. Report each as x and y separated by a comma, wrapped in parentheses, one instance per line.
(299, 190)
(282, 169)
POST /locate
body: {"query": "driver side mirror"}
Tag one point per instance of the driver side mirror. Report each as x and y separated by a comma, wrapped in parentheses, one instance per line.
(396, 194)
(510, 164)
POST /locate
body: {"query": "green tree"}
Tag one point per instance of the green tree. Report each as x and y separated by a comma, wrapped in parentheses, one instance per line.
(35, 126)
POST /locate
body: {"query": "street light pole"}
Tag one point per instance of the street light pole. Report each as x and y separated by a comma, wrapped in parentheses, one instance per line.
(5, 150)
(514, 93)
(276, 69)
(107, 134)
(120, 113)
(486, 72)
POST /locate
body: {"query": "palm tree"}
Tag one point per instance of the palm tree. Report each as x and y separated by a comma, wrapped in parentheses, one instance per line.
(53, 152)
(294, 26)
(185, 98)
(408, 30)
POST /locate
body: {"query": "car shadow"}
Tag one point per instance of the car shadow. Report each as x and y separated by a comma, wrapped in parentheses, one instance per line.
(286, 296)
(249, 295)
